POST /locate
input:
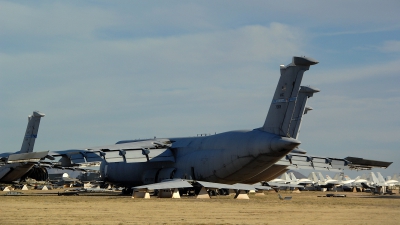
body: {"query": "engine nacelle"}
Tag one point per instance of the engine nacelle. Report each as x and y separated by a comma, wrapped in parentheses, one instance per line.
(37, 173)
(157, 175)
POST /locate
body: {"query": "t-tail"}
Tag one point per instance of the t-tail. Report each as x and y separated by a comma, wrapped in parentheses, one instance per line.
(284, 117)
(31, 132)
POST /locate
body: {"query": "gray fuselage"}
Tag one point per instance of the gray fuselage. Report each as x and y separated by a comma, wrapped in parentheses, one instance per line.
(230, 157)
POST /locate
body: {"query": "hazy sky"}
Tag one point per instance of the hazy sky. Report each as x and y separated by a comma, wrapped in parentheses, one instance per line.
(104, 71)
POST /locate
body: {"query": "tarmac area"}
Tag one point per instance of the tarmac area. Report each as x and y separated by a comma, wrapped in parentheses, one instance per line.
(47, 207)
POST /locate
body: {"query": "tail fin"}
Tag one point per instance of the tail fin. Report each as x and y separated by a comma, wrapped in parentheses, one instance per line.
(293, 177)
(337, 176)
(380, 178)
(313, 177)
(374, 179)
(364, 176)
(286, 177)
(31, 132)
(300, 109)
(283, 104)
(321, 177)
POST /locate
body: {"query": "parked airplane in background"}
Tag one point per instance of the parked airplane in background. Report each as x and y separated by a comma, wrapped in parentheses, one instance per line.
(301, 181)
(318, 179)
(377, 185)
(16, 165)
(284, 182)
(393, 180)
(387, 183)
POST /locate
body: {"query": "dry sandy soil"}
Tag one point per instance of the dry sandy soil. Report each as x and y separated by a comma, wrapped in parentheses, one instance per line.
(46, 207)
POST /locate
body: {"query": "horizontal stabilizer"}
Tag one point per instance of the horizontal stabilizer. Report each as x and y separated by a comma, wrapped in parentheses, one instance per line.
(366, 164)
(302, 161)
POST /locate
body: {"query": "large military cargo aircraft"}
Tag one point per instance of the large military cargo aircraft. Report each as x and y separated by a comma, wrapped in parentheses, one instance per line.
(242, 156)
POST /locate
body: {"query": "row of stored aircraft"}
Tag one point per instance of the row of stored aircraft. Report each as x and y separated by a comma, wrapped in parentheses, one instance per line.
(242, 157)
(317, 180)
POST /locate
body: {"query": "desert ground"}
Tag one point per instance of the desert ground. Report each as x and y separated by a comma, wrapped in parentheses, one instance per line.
(46, 207)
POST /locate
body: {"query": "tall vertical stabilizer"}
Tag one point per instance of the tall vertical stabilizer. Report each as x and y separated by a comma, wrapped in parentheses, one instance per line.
(283, 104)
(31, 132)
(300, 110)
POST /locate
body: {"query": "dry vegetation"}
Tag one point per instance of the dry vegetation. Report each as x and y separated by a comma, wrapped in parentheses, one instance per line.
(304, 208)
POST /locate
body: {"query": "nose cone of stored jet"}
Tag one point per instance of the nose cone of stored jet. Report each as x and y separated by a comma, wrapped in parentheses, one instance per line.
(284, 144)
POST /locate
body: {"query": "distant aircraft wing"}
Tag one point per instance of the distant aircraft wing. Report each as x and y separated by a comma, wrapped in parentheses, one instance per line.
(27, 157)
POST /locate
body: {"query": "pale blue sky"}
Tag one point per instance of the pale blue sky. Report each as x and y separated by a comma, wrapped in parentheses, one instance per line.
(104, 71)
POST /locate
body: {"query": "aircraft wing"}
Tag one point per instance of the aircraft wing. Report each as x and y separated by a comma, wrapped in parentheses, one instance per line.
(179, 183)
(249, 187)
(152, 150)
(27, 157)
(76, 157)
(215, 185)
(272, 184)
(364, 185)
(169, 184)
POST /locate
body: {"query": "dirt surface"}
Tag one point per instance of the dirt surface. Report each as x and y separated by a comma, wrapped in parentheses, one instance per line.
(46, 207)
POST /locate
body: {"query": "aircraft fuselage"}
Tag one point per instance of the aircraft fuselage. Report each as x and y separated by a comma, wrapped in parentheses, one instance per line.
(229, 157)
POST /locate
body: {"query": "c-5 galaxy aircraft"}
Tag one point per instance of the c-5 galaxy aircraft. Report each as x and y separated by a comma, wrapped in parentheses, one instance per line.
(14, 166)
(242, 156)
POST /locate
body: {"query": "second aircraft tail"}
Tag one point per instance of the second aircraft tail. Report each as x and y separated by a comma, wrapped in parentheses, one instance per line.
(31, 132)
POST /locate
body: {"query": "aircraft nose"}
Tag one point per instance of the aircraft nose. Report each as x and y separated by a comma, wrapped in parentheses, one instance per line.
(284, 144)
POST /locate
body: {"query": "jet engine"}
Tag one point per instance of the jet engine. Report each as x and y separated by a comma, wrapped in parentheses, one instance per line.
(37, 173)
(157, 175)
